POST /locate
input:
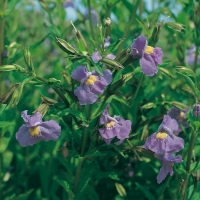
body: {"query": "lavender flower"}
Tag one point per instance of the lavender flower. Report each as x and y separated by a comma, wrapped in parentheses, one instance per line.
(149, 56)
(34, 130)
(167, 160)
(190, 55)
(96, 55)
(92, 84)
(114, 127)
(68, 4)
(180, 117)
(164, 139)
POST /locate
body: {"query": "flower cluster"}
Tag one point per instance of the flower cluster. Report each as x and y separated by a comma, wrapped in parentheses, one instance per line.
(164, 143)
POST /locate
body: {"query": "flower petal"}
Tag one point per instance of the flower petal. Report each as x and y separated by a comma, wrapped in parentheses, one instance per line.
(157, 55)
(138, 47)
(85, 97)
(33, 120)
(22, 136)
(148, 65)
(164, 170)
(111, 56)
(79, 73)
(49, 130)
(96, 56)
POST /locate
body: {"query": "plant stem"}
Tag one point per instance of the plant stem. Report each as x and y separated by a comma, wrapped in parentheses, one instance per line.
(90, 19)
(134, 149)
(189, 158)
(127, 29)
(2, 33)
(137, 89)
(78, 171)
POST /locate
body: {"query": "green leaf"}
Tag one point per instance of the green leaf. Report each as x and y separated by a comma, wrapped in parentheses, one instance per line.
(66, 186)
(194, 166)
(10, 6)
(112, 47)
(147, 31)
(118, 149)
(93, 153)
(4, 123)
(146, 192)
(186, 71)
(98, 69)
(195, 124)
(23, 196)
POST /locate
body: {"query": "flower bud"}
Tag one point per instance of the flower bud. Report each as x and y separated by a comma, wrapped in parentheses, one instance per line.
(112, 63)
(107, 21)
(81, 39)
(27, 57)
(66, 47)
(175, 26)
(148, 105)
(196, 110)
(7, 68)
(155, 34)
(6, 97)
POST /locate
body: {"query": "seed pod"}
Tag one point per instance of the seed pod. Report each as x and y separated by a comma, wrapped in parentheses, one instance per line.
(27, 57)
(6, 97)
(66, 47)
(112, 63)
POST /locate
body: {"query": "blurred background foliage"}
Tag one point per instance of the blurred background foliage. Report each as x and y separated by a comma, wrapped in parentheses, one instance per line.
(46, 170)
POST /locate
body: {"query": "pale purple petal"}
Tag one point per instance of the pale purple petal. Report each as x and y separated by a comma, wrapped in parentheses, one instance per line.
(96, 56)
(33, 120)
(79, 73)
(148, 65)
(98, 87)
(107, 141)
(85, 97)
(49, 130)
(164, 170)
(106, 42)
(33, 140)
(157, 55)
(138, 47)
(22, 136)
(107, 74)
(111, 56)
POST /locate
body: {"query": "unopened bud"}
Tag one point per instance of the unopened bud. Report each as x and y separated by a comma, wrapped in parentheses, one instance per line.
(7, 68)
(107, 21)
(66, 47)
(148, 105)
(175, 26)
(155, 34)
(112, 63)
(123, 56)
(81, 39)
(196, 110)
(6, 97)
(27, 57)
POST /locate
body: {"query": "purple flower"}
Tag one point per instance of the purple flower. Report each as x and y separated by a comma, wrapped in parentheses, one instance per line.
(164, 139)
(92, 84)
(167, 160)
(190, 55)
(96, 55)
(149, 56)
(114, 127)
(180, 117)
(34, 130)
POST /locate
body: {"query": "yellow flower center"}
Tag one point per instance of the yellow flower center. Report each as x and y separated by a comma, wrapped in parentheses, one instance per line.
(149, 50)
(91, 80)
(161, 135)
(34, 131)
(182, 115)
(110, 124)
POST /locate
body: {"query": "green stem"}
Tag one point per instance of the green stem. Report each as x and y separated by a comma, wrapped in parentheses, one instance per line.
(189, 158)
(79, 168)
(127, 29)
(134, 149)
(2, 33)
(90, 19)
(166, 184)
(137, 89)
(78, 173)
(0, 176)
